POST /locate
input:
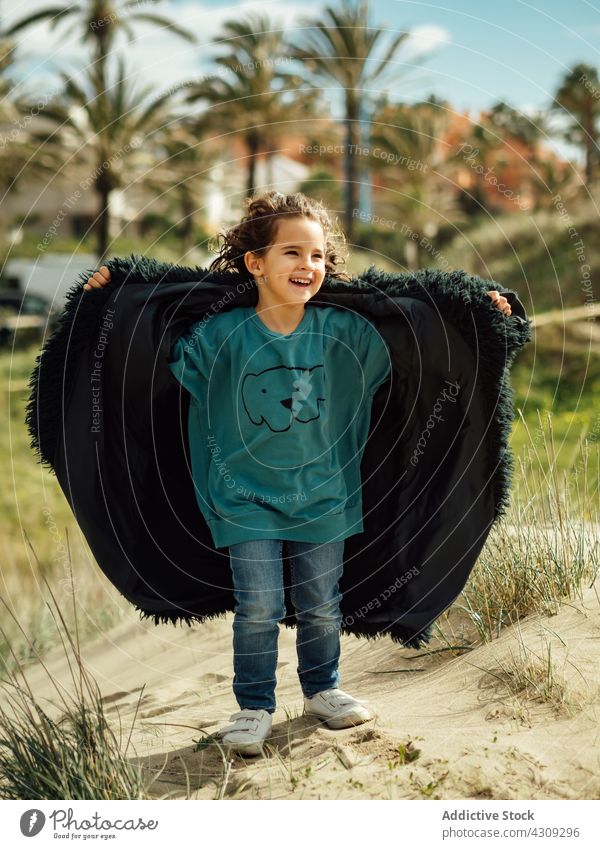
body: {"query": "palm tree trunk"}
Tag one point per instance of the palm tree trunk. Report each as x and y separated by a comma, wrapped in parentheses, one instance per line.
(590, 148)
(269, 167)
(103, 231)
(187, 208)
(252, 142)
(103, 189)
(350, 153)
(102, 48)
(412, 254)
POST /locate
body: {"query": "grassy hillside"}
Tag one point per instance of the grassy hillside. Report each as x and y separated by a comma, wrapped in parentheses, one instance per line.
(532, 254)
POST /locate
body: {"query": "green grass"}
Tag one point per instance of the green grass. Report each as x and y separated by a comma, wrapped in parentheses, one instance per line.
(557, 376)
(166, 247)
(546, 549)
(531, 254)
(35, 517)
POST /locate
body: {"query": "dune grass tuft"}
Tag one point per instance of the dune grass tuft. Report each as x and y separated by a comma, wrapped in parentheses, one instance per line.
(76, 755)
(531, 675)
(546, 549)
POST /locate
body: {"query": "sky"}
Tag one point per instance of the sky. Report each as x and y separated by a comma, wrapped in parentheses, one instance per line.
(473, 52)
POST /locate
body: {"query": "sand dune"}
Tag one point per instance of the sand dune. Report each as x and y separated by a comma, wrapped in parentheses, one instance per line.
(447, 727)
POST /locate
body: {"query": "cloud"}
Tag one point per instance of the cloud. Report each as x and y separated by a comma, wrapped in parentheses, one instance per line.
(426, 39)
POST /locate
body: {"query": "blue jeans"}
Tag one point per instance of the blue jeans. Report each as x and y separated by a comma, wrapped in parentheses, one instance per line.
(257, 570)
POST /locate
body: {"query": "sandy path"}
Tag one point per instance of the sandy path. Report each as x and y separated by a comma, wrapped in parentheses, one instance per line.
(475, 739)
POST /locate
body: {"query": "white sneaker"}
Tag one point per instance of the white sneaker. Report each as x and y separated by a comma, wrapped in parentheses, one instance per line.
(248, 732)
(338, 709)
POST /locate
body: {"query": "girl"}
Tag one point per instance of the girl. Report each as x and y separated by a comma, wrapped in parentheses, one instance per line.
(279, 413)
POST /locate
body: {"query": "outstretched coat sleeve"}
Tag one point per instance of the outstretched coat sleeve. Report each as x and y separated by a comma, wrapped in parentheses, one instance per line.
(107, 415)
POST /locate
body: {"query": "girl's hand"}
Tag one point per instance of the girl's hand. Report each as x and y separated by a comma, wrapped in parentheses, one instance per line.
(99, 279)
(500, 301)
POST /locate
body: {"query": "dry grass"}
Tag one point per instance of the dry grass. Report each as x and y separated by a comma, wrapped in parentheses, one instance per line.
(76, 755)
(529, 676)
(545, 551)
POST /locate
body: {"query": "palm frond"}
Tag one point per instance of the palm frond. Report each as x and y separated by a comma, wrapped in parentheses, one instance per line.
(38, 16)
(165, 23)
(127, 30)
(70, 10)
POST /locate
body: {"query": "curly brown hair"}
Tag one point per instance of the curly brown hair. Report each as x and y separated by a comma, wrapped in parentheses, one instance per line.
(257, 230)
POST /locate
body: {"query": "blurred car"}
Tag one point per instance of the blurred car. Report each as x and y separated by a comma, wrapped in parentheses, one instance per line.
(25, 318)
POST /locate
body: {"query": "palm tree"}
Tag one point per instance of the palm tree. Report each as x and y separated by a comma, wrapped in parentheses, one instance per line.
(16, 150)
(99, 21)
(8, 115)
(578, 96)
(518, 138)
(412, 136)
(12, 156)
(343, 48)
(472, 150)
(184, 172)
(512, 124)
(105, 133)
(251, 95)
(503, 145)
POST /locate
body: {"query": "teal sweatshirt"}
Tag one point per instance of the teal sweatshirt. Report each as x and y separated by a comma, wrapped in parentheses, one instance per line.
(278, 423)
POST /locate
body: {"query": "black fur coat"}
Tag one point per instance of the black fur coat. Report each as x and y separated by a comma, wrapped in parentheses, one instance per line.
(106, 414)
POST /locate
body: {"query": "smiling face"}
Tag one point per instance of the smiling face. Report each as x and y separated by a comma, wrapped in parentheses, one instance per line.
(297, 253)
